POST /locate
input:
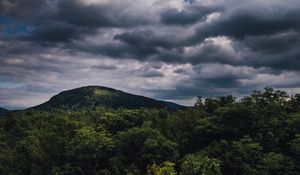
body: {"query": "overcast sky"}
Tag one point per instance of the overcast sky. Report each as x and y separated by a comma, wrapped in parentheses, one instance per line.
(166, 49)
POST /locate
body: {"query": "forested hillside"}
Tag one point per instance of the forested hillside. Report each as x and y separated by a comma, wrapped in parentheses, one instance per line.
(259, 134)
(3, 111)
(100, 96)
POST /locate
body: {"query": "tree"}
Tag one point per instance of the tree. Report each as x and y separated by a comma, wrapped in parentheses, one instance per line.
(276, 164)
(142, 146)
(192, 130)
(211, 104)
(90, 149)
(294, 147)
(235, 121)
(238, 157)
(270, 111)
(200, 165)
(166, 168)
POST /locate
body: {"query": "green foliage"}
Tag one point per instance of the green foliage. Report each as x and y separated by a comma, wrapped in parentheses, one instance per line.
(212, 104)
(294, 148)
(141, 146)
(198, 164)
(259, 134)
(276, 164)
(90, 149)
(166, 168)
(235, 121)
(191, 130)
(238, 157)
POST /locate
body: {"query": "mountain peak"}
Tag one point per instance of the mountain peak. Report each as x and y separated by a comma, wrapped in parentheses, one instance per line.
(100, 96)
(90, 90)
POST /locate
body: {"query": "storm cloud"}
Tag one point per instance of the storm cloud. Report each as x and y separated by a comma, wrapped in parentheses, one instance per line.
(172, 50)
(187, 16)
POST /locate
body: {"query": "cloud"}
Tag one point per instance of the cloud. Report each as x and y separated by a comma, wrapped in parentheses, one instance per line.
(66, 20)
(152, 73)
(190, 15)
(252, 18)
(105, 67)
(170, 50)
(147, 39)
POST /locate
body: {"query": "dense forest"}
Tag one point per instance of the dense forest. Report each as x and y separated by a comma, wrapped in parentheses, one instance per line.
(258, 134)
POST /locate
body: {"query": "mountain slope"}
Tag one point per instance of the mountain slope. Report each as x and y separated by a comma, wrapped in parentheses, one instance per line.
(93, 96)
(3, 111)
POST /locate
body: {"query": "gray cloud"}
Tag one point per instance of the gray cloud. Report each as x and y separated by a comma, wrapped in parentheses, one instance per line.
(66, 20)
(105, 67)
(165, 49)
(148, 39)
(152, 73)
(187, 16)
(242, 24)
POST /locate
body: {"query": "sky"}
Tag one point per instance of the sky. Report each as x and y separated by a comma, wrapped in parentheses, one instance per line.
(171, 50)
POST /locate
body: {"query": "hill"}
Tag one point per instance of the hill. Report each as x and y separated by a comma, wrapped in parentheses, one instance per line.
(99, 96)
(3, 111)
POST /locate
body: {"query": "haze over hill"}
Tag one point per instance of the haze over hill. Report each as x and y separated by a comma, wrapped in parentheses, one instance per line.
(99, 96)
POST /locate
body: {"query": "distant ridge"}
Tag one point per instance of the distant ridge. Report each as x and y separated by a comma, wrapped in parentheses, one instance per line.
(3, 111)
(100, 96)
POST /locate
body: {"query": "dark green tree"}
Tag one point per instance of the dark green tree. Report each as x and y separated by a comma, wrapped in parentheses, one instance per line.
(276, 164)
(142, 146)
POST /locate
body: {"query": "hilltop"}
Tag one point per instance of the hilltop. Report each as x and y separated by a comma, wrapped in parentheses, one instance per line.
(99, 96)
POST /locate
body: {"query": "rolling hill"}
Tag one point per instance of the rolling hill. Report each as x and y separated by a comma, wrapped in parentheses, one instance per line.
(3, 111)
(99, 96)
